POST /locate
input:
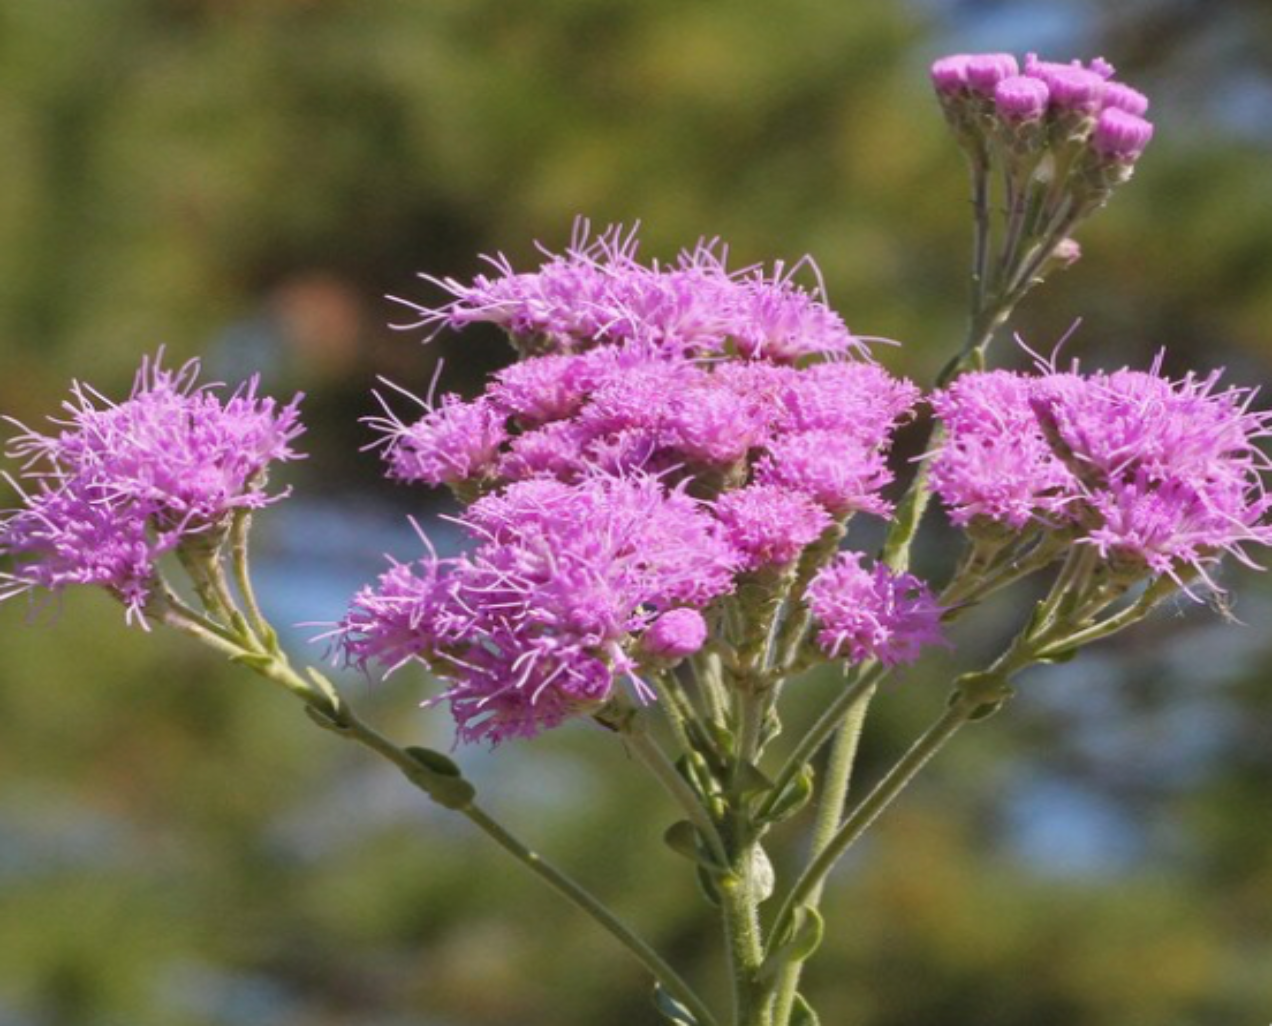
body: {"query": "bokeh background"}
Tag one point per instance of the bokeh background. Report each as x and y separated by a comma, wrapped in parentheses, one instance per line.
(245, 180)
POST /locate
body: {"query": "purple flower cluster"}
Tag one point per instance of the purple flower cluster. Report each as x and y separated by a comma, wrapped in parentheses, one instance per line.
(120, 484)
(872, 613)
(551, 607)
(1162, 477)
(598, 292)
(820, 432)
(1078, 99)
(679, 423)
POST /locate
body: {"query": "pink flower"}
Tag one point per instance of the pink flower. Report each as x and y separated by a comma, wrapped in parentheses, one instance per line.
(872, 614)
(120, 484)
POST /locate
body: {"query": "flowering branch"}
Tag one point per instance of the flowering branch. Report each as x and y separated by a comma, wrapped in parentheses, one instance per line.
(658, 504)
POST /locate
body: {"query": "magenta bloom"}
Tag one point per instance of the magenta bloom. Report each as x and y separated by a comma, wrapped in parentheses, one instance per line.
(839, 472)
(1082, 101)
(676, 634)
(1168, 474)
(120, 484)
(1021, 98)
(452, 443)
(872, 614)
(1123, 97)
(859, 399)
(1160, 476)
(949, 74)
(996, 465)
(770, 525)
(597, 292)
(1121, 136)
(543, 617)
(986, 70)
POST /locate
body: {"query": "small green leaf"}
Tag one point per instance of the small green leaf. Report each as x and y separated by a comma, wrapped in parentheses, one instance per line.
(321, 718)
(751, 780)
(672, 1010)
(435, 761)
(253, 661)
(807, 936)
(682, 838)
(802, 1013)
(794, 796)
(798, 945)
(440, 778)
(984, 712)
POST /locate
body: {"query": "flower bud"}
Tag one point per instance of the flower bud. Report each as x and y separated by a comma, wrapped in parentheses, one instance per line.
(1021, 98)
(1120, 136)
(1074, 89)
(676, 634)
(949, 74)
(1122, 97)
(986, 70)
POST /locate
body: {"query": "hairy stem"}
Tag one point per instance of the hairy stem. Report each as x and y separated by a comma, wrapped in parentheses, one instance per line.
(333, 713)
(654, 759)
(856, 824)
(830, 810)
(858, 690)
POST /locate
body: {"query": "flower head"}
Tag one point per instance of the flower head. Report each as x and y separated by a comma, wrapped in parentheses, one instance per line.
(676, 634)
(454, 442)
(597, 292)
(996, 464)
(838, 471)
(120, 484)
(872, 613)
(1165, 472)
(770, 525)
(1121, 136)
(1160, 475)
(1021, 98)
(540, 620)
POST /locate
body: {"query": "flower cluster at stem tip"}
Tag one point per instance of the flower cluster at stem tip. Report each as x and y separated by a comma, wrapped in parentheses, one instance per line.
(676, 439)
(992, 98)
(121, 484)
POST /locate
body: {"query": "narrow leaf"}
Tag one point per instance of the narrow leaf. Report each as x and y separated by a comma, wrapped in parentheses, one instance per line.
(672, 1010)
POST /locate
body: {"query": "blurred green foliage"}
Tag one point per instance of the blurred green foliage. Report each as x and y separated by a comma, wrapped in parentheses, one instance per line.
(247, 177)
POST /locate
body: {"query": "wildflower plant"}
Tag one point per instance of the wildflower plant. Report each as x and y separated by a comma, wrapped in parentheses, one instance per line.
(657, 501)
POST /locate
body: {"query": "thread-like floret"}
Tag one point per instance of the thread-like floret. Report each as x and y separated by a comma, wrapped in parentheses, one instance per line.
(120, 484)
(874, 613)
(770, 525)
(598, 292)
(538, 622)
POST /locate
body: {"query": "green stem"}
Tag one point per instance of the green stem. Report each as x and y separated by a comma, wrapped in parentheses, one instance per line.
(654, 759)
(334, 714)
(739, 906)
(679, 711)
(981, 235)
(883, 794)
(709, 675)
(830, 810)
(583, 900)
(858, 690)
(1129, 616)
(239, 531)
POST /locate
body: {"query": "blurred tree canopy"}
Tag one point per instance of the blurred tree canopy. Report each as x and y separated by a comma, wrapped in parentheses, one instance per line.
(246, 178)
